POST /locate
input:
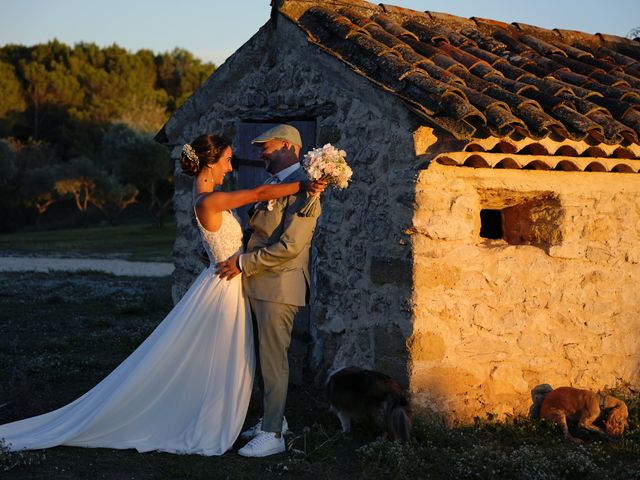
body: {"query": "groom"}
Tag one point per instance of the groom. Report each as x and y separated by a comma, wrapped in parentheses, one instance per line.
(276, 280)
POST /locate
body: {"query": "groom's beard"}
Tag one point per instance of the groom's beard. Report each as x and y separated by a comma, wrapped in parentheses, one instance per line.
(274, 163)
(268, 165)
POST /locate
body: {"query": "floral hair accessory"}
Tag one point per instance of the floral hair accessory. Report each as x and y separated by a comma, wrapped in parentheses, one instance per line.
(189, 153)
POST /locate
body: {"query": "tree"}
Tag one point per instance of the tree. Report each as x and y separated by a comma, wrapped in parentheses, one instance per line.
(147, 164)
(57, 102)
(33, 183)
(78, 180)
(38, 190)
(121, 87)
(89, 185)
(139, 160)
(33, 154)
(47, 86)
(147, 112)
(180, 74)
(12, 102)
(111, 197)
(7, 162)
(114, 145)
(49, 90)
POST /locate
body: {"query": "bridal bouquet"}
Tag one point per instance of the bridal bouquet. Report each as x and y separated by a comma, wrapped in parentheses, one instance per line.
(328, 164)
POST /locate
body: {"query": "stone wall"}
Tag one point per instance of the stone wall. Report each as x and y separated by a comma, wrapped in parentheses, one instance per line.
(493, 319)
(362, 261)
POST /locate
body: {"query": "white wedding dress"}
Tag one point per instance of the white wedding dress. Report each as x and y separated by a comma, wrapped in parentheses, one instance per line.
(185, 389)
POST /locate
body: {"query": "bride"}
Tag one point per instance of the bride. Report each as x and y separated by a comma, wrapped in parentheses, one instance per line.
(186, 388)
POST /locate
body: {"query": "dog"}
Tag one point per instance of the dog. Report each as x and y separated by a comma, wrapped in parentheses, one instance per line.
(584, 407)
(357, 394)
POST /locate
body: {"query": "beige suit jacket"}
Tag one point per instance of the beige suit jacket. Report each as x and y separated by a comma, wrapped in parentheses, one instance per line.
(276, 265)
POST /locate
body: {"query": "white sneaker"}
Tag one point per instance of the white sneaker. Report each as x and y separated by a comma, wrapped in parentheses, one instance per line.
(263, 444)
(257, 428)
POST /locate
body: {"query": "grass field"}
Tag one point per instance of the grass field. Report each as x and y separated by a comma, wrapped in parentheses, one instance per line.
(62, 333)
(130, 242)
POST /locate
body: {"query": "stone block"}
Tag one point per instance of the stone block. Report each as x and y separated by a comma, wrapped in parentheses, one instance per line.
(510, 375)
(426, 347)
(434, 274)
(390, 270)
(443, 381)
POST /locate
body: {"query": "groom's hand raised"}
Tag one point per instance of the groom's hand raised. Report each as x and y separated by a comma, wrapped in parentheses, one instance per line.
(229, 268)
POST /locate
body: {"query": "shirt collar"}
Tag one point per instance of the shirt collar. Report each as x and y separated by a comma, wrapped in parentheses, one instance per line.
(282, 174)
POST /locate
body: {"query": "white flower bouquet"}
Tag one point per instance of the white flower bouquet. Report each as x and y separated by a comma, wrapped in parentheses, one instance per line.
(329, 164)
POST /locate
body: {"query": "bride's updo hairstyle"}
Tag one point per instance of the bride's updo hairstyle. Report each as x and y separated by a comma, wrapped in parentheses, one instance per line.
(204, 150)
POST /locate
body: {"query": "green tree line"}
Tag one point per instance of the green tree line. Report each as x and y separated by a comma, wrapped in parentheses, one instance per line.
(77, 126)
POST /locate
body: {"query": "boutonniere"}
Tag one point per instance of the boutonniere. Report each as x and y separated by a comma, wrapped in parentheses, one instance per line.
(267, 205)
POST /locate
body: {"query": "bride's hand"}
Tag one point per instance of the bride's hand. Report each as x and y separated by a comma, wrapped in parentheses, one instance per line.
(315, 187)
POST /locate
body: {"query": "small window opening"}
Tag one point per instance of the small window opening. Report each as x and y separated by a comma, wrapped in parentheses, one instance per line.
(491, 224)
(521, 218)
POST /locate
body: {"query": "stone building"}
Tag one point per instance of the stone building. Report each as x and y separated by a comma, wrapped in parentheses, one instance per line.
(489, 241)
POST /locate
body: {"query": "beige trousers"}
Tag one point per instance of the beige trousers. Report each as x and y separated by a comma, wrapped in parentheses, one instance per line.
(275, 323)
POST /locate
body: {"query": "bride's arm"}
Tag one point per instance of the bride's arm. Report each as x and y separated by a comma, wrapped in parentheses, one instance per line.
(219, 201)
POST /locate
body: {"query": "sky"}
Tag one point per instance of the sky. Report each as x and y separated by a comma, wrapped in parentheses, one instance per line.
(213, 29)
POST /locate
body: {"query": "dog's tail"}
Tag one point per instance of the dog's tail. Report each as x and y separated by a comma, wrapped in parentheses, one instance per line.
(538, 395)
(399, 423)
(331, 384)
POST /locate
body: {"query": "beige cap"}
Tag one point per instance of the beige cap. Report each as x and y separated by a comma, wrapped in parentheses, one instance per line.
(280, 132)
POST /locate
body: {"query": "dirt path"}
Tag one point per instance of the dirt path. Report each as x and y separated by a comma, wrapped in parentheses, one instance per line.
(113, 266)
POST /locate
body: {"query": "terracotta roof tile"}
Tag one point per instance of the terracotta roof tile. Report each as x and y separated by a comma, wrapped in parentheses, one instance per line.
(571, 51)
(548, 85)
(613, 130)
(487, 22)
(511, 71)
(630, 79)
(480, 77)
(541, 46)
(586, 69)
(448, 19)
(608, 67)
(574, 37)
(539, 162)
(486, 42)
(618, 57)
(511, 85)
(435, 33)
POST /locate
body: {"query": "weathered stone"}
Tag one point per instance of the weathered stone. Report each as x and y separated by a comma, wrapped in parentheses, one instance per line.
(424, 138)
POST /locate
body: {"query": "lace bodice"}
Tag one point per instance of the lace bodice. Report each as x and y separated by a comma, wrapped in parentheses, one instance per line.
(225, 242)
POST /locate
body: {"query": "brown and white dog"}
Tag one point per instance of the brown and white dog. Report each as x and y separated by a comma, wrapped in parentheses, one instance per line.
(354, 393)
(584, 407)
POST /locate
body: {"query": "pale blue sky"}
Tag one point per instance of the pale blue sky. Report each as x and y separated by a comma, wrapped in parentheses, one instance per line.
(213, 29)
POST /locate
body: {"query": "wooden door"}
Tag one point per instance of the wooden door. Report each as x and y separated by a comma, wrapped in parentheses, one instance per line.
(250, 173)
